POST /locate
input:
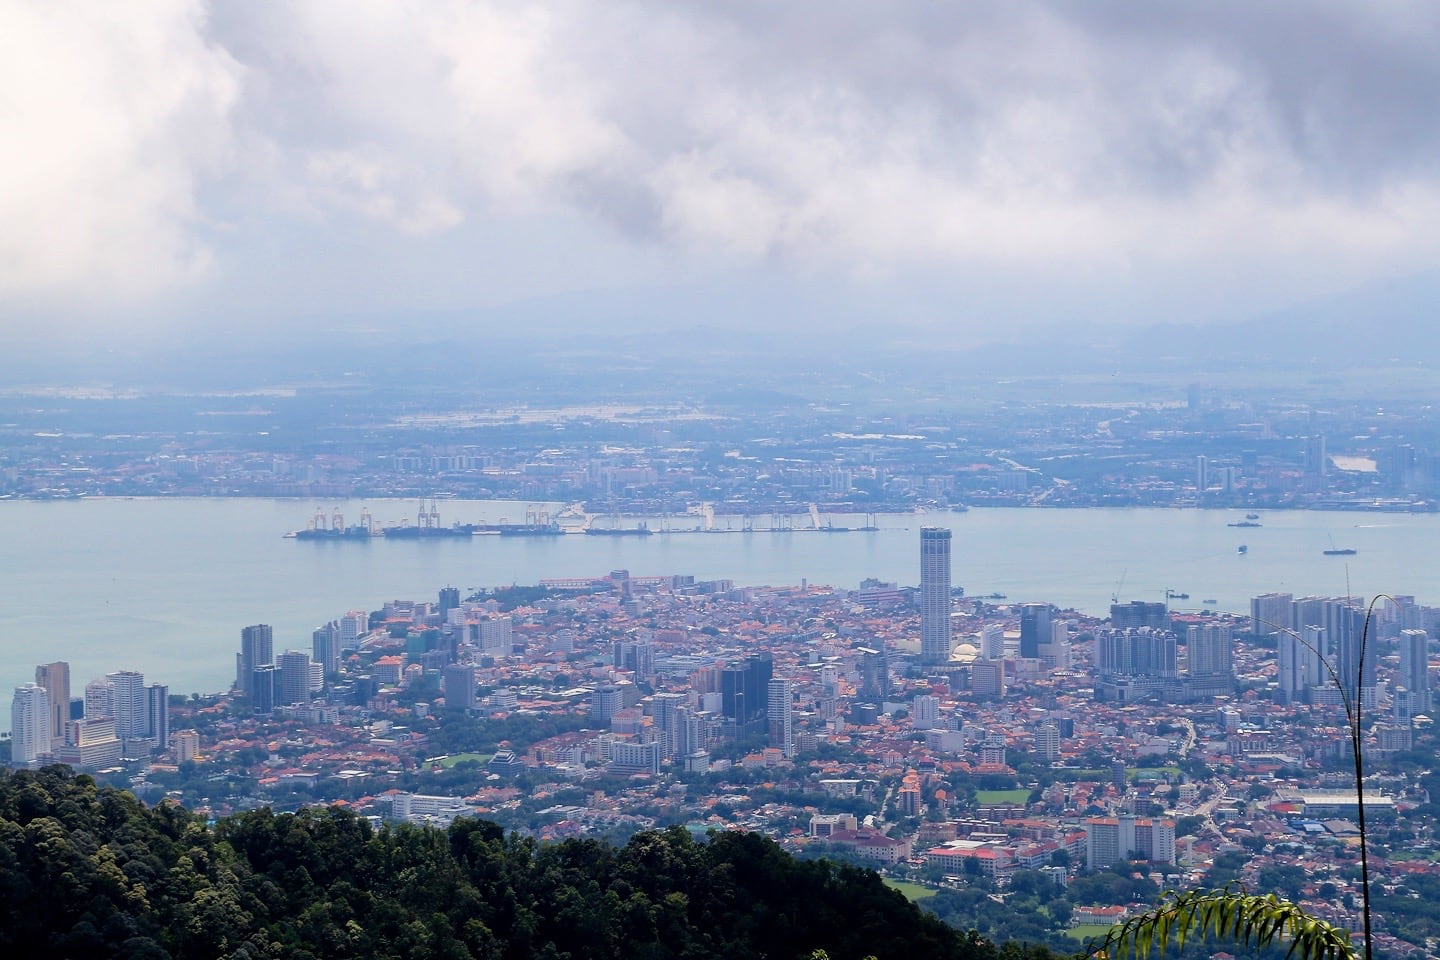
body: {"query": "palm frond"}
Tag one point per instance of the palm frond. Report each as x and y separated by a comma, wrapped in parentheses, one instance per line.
(1253, 920)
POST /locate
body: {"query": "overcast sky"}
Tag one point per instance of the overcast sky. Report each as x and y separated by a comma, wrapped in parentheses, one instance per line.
(172, 164)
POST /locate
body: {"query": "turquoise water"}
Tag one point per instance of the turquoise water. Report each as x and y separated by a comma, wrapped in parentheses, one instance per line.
(164, 586)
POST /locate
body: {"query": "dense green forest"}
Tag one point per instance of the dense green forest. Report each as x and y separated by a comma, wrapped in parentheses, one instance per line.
(89, 871)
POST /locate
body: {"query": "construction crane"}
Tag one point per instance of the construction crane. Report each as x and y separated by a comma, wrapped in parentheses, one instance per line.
(1119, 585)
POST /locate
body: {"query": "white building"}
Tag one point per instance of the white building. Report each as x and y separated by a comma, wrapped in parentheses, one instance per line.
(29, 725)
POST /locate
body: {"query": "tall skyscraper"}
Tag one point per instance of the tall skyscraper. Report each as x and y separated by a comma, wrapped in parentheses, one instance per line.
(496, 637)
(325, 647)
(670, 710)
(157, 715)
(257, 649)
(1317, 464)
(1355, 646)
(292, 678)
(934, 595)
(744, 688)
(1208, 650)
(131, 718)
(1415, 669)
(458, 686)
(261, 688)
(874, 673)
(29, 725)
(1271, 612)
(607, 700)
(1034, 628)
(1047, 742)
(55, 678)
(780, 714)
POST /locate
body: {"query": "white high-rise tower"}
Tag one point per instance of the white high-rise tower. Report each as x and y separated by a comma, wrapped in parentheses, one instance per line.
(29, 725)
(781, 715)
(934, 595)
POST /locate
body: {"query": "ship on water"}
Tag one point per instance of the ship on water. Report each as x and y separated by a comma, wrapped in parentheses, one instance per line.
(427, 526)
(333, 527)
(642, 529)
(527, 529)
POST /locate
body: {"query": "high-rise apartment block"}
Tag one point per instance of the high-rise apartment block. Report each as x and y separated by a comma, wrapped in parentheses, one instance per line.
(874, 673)
(1415, 670)
(131, 708)
(261, 688)
(353, 626)
(187, 746)
(157, 715)
(495, 636)
(934, 595)
(257, 649)
(1108, 840)
(29, 725)
(325, 647)
(458, 686)
(99, 699)
(55, 678)
(1034, 629)
(292, 678)
(1209, 651)
(780, 715)
(1270, 613)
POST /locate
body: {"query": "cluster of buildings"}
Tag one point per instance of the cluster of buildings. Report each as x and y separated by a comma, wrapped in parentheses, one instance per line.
(912, 727)
(119, 717)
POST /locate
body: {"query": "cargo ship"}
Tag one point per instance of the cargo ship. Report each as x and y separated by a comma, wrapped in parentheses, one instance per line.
(639, 530)
(410, 532)
(333, 528)
(527, 529)
(426, 527)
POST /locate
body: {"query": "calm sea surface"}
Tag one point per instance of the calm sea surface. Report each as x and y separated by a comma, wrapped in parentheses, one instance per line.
(164, 586)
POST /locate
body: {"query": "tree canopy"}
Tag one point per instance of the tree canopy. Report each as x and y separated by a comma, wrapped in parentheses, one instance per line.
(89, 871)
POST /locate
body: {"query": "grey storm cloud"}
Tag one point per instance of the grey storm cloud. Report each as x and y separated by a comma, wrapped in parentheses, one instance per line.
(1081, 139)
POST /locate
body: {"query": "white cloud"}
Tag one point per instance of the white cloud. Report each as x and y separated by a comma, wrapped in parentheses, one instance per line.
(111, 115)
(1097, 141)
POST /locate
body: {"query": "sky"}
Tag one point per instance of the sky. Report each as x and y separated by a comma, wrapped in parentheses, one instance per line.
(176, 167)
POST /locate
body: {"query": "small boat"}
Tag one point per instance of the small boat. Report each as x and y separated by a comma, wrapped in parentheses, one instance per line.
(1242, 549)
(1335, 551)
(1210, 603)
(1252, 516)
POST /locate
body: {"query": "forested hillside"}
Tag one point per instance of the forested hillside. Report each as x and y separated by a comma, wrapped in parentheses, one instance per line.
(89, 871)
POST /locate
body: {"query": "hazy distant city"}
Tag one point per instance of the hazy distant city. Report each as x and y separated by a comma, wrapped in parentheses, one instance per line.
(734, 438)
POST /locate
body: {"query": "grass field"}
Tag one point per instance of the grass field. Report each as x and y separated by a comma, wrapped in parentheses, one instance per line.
(1002, 796)
(455, 758)
(912, 891)
(1088, 931)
